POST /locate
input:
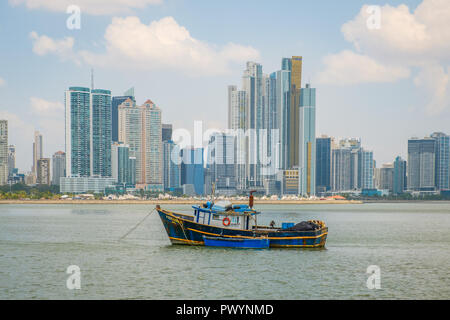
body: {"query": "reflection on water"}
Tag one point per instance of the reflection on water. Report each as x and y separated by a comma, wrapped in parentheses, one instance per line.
(409, 242)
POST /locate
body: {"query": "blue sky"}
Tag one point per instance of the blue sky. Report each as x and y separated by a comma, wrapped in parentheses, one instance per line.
(383, 86)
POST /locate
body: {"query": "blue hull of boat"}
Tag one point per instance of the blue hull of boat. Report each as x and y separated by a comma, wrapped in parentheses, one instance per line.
(236, 243)
(182, 229)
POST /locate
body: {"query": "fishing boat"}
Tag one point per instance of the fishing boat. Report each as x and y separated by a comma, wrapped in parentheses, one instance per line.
(242, 243)
(228, 221)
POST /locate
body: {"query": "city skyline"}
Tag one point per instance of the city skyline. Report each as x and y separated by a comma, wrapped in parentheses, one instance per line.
(397, 95)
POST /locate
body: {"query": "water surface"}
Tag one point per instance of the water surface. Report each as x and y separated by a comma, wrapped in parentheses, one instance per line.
(410, 243)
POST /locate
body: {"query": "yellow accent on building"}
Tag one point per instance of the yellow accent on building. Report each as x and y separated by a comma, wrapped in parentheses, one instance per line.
(296, 85)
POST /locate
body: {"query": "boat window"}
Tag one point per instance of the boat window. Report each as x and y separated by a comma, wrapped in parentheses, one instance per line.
(234, 220)
(216, 217)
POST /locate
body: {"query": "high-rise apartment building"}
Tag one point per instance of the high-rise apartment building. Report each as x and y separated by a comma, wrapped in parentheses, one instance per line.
(43, 171)
(341, 169)
(58, 167)
(296, 85)
(171, 166)
(283, 100)
(115, 103)
(252, 84)
(3, 152)
(130, 132)
(421, 164)
(399, 178)
(442, 160)
(122, 165)
(366, 173)
(386, 180)
(100, 133)
(88, 139)
(11, 159)
(78, 132)
(152, 153)
(221, 163)
(307, 142)
(166, 132)
(323, 164)
(192, 169)
(237, 123)
(37, 151)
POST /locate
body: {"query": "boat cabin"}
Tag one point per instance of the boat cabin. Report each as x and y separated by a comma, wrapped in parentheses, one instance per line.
(226, 215)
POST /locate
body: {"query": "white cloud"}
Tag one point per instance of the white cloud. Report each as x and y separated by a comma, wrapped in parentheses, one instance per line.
(347, 67)
(415, 36)
(93, 7)
(435, 80)
(2, 82)
(162, 44)
(43, 107)
(43, 45)
(405, 40)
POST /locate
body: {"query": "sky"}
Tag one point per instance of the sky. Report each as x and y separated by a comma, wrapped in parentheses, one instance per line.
(381, 74)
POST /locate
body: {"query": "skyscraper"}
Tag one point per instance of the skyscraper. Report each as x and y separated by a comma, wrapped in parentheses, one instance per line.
(37, 151)
(192, 168)
(341, 169)
(115, 103)
(296, 85)
(421, 164)
(238, 124)
(323, 164)
(307, 142)
(387, 177)
(78, 132)
(58, 167)
(231, 89)
(399, 178)
(121, 164)
(221, 163)
(43, 171)
(11, 159)
(130, 132)
(101, 133)
(252, 84)
(152, 153)
(166, 132)
(3, 152)
(171, 166)
(283, 98)
(366, 174)
(442, 160)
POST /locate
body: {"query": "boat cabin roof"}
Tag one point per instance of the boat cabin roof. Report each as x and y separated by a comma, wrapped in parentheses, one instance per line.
(231, 210)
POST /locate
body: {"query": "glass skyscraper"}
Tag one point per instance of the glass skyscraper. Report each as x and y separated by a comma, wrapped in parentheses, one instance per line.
(442, 160)
(307, 142)
(58, 167)
(101, 133)
(421, 164)
(323, 164)
(171, 166)
(221, 163)
(192, 169)
(78, 132)
(399, 179)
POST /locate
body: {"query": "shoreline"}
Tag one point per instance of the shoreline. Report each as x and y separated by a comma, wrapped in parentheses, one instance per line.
(168, 202)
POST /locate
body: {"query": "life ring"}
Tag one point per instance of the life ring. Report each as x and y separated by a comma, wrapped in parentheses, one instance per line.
(226, 221)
